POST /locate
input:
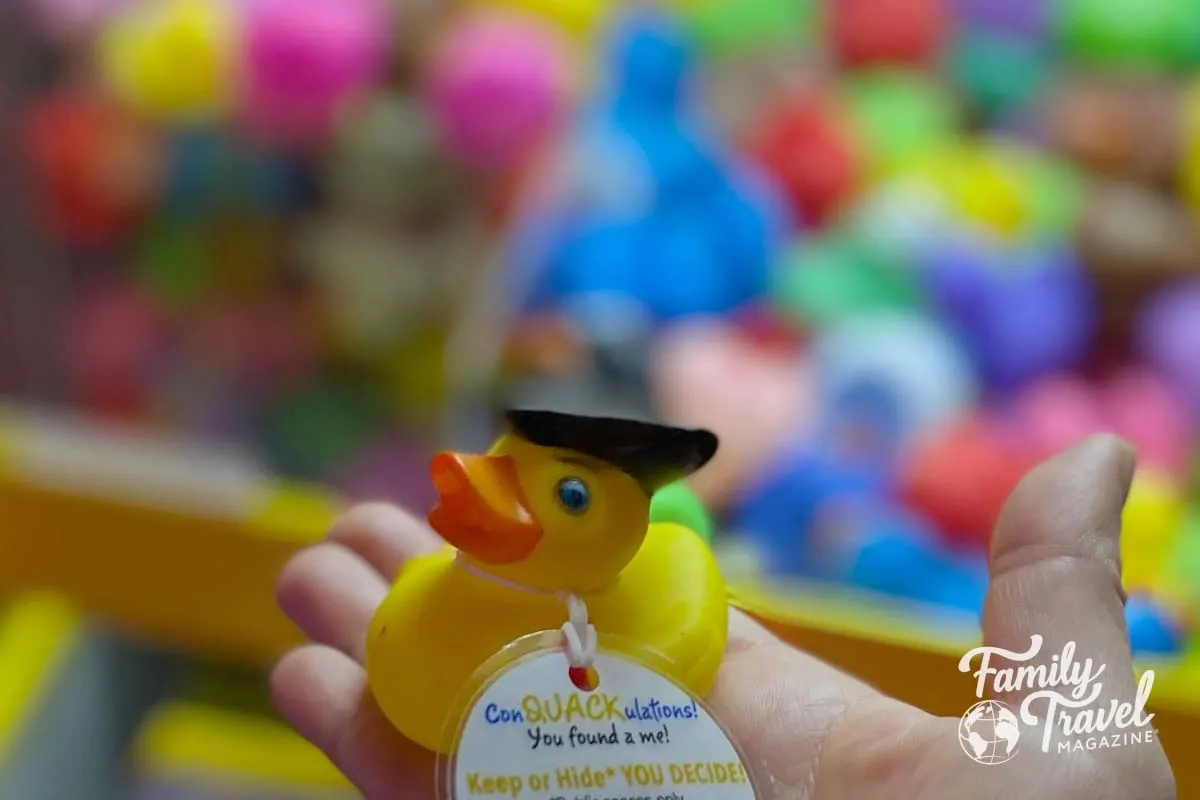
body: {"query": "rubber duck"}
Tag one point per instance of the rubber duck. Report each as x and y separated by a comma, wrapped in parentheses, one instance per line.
(558, 507)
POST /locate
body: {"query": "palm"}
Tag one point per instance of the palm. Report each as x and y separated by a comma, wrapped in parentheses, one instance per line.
(817, 731)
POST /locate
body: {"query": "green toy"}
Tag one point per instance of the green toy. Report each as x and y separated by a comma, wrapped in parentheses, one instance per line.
(1131, 34)
(829, 279)
(310, 431)
(899, 116)
(725, 27)
(1056, 191)
(677, 503)
(1000, 74)
(1181, 581)
(173, 264)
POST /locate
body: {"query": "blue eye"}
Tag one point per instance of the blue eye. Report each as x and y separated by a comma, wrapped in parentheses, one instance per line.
(573, 494)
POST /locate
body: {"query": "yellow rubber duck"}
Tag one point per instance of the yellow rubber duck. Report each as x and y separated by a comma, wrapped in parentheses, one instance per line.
(560, 505)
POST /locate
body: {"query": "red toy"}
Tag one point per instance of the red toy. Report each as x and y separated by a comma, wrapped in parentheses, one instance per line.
(812, 154)
(961, 477)
(116, 335)
(97, 168)
(887, 32)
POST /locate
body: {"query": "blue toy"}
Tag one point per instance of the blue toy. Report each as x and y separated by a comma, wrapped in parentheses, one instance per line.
(916, 366)
(847, 465)
(777, 515)
(651, 62)
(899, 555)
(209, 173)
(704, 230)
(1152, 632)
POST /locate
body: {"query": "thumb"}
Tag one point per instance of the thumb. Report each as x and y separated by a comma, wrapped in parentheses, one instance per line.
(1055, 564)
(1056, 573)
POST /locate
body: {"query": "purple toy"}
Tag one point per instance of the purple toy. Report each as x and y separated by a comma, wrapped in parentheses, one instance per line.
(306, 58)
(1022, 315)
(1167, 333)
(1025, 18)
(496, 85)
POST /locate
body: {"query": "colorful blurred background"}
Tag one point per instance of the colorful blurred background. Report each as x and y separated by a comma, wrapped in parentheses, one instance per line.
(261, 258)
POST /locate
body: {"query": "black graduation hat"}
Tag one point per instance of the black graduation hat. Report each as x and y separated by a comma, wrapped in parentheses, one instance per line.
(653, 454)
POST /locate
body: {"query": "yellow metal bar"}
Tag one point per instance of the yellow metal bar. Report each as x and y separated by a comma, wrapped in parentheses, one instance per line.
(36, 635)
(179, 546)
(186, 739)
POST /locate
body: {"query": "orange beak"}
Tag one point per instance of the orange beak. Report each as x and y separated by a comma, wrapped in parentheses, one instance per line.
(482, 510)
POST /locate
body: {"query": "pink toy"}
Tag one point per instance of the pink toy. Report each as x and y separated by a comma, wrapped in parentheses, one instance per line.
(115, 339)
(1145, 410)
(306, 58)
(395, 470)
(708, 374)
(1054, 414)
(496, 84)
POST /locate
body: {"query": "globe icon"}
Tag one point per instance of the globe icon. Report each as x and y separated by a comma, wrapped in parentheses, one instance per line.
(989, 732)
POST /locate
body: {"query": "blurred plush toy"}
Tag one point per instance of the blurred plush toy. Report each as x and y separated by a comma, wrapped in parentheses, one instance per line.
(898, 554)
(1056, 413)
(918, 366)
(1153, 633)
(1152, 522)
(1132, 241)
(116, 338)
(797, 492)
(891, 33)
(960, 475)
(174, 60)
(385, 163)
(976, 289)
(497, 85)
(97, 167)
(813, 153)
(379, 285)
(1166, 330)
(1126, 126)
(707, 373)
(694, 234)
(304, 60)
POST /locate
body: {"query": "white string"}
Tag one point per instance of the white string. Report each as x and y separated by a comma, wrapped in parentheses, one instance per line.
(579, 635)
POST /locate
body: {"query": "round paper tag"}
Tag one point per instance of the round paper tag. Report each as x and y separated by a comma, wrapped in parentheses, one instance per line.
(629, 734)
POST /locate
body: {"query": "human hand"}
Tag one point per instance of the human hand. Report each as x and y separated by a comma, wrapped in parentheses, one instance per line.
(822, 734)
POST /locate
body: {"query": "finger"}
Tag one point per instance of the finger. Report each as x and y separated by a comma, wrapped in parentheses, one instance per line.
(1055, 564)
(323, 694)
(384, 535)
(745, 632)
(331, 593)
(779, 703)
